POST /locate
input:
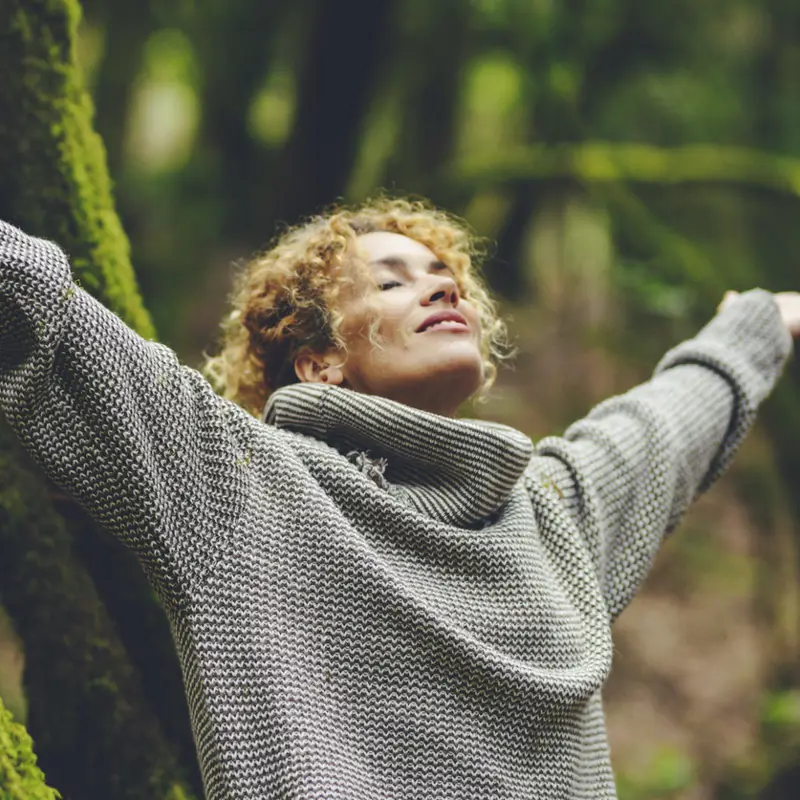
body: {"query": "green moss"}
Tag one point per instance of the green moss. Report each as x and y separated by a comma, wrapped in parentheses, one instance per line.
(55, 182)
(20, 778)
(96, 732)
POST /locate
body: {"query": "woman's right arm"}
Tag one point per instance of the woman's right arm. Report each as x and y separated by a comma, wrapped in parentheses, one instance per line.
(142, 442)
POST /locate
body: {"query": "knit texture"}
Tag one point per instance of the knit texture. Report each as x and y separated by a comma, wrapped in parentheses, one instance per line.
(370, 601)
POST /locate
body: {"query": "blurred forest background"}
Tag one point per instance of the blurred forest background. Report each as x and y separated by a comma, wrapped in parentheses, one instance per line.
(629, 161)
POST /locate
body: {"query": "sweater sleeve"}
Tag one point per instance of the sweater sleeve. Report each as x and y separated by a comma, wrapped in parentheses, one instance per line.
(142, 442)
(628, 472)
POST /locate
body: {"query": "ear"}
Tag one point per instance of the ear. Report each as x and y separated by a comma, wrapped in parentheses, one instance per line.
(315, 368)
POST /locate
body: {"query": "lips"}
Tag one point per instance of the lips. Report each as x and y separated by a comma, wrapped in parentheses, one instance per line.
(449, 317)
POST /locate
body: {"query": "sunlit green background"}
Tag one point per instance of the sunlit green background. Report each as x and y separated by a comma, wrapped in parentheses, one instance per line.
(629, 160)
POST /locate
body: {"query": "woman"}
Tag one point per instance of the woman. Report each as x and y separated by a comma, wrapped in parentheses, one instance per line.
(372, 598)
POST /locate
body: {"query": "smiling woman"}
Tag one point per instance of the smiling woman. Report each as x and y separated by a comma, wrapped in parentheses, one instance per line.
(348, 290)
(373, 599)
(408, 333)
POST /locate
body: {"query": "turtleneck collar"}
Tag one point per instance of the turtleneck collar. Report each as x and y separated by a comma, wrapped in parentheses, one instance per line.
(459, 471)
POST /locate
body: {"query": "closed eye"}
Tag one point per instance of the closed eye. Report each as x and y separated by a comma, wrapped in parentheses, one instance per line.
(388, 285)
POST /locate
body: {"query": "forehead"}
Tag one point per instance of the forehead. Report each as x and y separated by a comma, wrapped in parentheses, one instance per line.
(380, 245)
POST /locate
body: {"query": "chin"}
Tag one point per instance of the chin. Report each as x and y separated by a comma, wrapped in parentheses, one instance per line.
(438, 379)
(446, 387)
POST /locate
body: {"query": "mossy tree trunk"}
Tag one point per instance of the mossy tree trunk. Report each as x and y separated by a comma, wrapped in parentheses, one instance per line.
(92, 681)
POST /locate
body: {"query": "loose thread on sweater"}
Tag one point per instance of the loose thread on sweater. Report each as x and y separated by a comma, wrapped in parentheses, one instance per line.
(373, 468)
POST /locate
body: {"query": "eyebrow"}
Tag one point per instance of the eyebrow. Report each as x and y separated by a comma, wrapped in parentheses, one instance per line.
(396, 262)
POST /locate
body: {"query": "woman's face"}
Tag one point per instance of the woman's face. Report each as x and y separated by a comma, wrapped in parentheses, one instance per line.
(428, 353)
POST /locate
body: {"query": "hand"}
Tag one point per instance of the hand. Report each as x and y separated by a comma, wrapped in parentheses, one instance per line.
(788, 304)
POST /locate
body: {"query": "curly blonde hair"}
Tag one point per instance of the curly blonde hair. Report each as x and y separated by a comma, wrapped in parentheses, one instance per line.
(285, 299)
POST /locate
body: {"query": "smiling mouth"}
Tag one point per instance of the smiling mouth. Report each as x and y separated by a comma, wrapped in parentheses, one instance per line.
(451, 325)
(451, 321)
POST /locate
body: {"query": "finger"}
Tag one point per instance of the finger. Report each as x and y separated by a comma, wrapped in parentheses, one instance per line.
(727, 299)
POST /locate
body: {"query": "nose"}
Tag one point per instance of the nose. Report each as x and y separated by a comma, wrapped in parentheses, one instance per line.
(443, 288)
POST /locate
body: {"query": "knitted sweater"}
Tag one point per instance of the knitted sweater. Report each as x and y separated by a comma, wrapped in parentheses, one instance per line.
(371, 601)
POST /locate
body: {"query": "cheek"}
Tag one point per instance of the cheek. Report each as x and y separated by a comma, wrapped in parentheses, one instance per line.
(373, 332)
(387, 323)
(471, 313)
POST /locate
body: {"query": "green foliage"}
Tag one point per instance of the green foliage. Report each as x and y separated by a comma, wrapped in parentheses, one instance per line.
(20, 778)
(272, 111)
(167, 92)
(668, 774)
(609, 162)
(492, 114)
(776, 750)
(780, 717)
(701, 559)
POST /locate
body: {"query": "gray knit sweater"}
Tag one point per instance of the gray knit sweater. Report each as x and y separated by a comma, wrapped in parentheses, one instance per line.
(371, 601)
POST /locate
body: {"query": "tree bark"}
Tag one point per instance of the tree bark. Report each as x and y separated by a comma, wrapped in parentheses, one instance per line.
(96, 731)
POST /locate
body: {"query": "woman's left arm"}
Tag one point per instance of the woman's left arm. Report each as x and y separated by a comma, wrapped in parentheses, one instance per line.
(629, 470)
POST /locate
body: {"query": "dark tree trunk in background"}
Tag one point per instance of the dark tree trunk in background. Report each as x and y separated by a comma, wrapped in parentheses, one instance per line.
(434, 59)
(235, 42)
(773, 90)
(126, 25)
(784, 786)
(344, 53)
(506, 275)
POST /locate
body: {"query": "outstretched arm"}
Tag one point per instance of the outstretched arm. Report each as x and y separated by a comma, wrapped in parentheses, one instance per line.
(629, 470)
(144, 443)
